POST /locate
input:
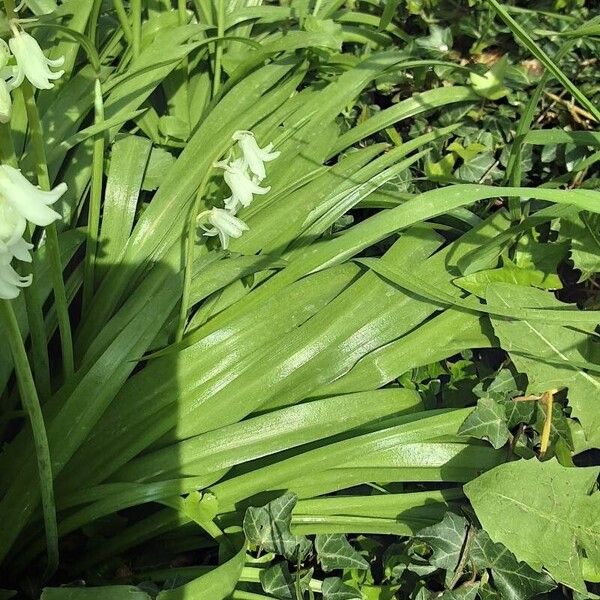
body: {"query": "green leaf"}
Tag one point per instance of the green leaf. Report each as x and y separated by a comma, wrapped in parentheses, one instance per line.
(160, 162)
(278, 581)
(111, 592)
(334, 588)
(544, 513)
(467, 591)
(335, 552)
(491, 84)
(446, 540)
(515, 580)
(517, 412)
(549, 353)
(268, 527)
(583, 231)
(487, 421)
(477, 282)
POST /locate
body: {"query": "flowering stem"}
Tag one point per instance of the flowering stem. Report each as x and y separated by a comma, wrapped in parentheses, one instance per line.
(136, 31)
(123, 20)
(189, 259)
(219, 47)
(56, 270)
(31, 404)
(95, 202)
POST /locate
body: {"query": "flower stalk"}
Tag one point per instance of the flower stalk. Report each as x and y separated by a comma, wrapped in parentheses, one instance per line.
(58, 284)
(31, 404)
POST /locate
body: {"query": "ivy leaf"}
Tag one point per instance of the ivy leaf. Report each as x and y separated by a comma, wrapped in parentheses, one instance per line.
(513, 579)
(544, 513)
(335, 552)
(479, 169)
(334, 588)
(517, 412)
(269, 527)
(446, 540)
(279, 582)
(439, 39)
(490, 85)
(487, 421)
(467, 591)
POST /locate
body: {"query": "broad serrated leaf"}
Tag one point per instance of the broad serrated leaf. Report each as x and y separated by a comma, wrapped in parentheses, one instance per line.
(446, 540)
(335, 552)
(269, 528)
(583, 232)
(334, 588)
(515, 580)
(550, 353)
(487, 421)
(544, 513)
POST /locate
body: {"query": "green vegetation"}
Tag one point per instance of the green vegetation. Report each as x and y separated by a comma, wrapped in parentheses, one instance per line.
(306, 303)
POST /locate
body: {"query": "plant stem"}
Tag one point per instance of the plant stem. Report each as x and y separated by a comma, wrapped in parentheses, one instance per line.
(31, 404)
(189, 259)
(123, 20)
(54, 258)
(136, 31)
(33, 304)
(93, 226)
(218, 46)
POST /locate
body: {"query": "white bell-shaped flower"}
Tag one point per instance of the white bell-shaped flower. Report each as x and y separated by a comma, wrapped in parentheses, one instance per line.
(242, 186)
(254, 156)
(224, 224)
(20, 200)
(10, 281)
(32, 63)
(7, 80)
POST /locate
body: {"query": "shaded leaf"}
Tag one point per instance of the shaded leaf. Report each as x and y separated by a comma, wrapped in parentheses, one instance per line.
(269, 528)
(278, 581)
(487, 421)
(446, 540)
(335, 589)
(515, 580)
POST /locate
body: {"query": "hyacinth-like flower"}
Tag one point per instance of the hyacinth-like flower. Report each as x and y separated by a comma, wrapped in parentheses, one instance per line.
(7, 80)
(10, 281)
(31, 61)
(224, 224)
(255, 157)
(20, 201)
(242, 186)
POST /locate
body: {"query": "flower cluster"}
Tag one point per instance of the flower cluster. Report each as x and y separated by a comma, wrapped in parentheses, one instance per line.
(31, 64)
(20, 201)
(243, 176)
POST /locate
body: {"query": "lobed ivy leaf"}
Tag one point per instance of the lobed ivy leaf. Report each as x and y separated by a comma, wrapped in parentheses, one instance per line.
(334, 588)
(335, 552)
(513, 579)
(487, 421)
(544, 513)
(446, 540)
(269, 528)
(279, 582)
(467, 591)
